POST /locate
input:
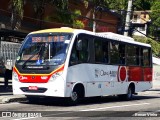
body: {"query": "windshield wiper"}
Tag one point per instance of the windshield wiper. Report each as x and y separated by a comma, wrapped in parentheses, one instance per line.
(32, 56)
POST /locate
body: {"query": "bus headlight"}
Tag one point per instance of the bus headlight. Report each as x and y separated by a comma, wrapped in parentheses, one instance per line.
(57, 73)
(55, 76)
(15, 76)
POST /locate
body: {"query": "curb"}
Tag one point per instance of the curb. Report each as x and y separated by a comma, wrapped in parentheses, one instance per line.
(15, 98)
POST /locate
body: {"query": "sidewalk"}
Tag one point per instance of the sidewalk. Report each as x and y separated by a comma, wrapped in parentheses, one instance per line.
(6, 94)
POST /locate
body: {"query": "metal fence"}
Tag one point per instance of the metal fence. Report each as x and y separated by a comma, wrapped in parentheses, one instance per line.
(9, 51)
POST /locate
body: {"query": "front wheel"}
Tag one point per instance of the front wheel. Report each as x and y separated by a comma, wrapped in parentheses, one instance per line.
(74, 98)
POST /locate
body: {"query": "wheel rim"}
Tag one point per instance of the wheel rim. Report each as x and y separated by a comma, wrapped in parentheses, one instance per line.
(74, 96)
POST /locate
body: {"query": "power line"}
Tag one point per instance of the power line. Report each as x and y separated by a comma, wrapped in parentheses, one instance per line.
(98, 20)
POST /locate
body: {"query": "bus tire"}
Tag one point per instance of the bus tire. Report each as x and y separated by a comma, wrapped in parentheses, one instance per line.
(73, 99)
(76, 94)
(128, 96)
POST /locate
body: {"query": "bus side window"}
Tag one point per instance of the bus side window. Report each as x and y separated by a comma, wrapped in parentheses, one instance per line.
(105, 51)
(131, 55)
(145, 57)
(79, 52)
(122, 54)
(138, 56)
(74, 54)
(114, 53)
(98, 50)
(83, 54)
(101, 50)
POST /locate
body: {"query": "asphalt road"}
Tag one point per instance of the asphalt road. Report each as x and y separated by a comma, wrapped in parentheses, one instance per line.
(145, 105)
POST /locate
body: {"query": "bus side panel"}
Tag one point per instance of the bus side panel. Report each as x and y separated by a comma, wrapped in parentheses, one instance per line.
(135, 74)
(142, 86)
(98, 80)
(147, 74)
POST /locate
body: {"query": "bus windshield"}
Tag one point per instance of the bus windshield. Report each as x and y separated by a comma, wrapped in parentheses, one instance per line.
(44, 49)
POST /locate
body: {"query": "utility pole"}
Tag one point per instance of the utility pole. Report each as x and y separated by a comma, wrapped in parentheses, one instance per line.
(128, 17)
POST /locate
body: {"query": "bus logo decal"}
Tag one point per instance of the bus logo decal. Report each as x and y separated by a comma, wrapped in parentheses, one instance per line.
(97, 73)
(44, 77)
(23, 78)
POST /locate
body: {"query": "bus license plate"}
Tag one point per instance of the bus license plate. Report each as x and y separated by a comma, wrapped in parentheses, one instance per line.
(33, 88)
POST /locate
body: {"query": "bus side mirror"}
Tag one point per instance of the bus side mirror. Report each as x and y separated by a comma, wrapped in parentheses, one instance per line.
(79, 45)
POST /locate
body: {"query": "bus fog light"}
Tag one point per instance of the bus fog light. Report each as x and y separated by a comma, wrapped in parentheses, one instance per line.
(15, 76)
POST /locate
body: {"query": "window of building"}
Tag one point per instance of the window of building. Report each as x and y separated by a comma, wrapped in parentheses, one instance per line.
(142, 28)
(135, 18)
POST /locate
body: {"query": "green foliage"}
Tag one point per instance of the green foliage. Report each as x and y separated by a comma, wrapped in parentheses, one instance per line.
(155, 44)
(155, 17)
(18, 7)
(62, 13)
(61, 4)
(75, 14)
(78, 24)
(155, 13)
(111, 4)
(142, 4)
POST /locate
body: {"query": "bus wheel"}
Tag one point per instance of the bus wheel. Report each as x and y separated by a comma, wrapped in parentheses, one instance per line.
(127, 96)
(74, 98)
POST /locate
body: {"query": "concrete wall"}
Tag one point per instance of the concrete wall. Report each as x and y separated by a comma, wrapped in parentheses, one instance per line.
(156, 76)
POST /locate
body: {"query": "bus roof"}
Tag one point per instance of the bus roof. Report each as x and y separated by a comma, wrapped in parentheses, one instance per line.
(62, 29)
(108, 35)
(122, 38)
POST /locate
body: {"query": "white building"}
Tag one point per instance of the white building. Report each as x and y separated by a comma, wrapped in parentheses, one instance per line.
(140, 22)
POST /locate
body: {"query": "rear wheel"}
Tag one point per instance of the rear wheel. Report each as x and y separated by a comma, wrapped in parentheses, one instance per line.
(127, 96)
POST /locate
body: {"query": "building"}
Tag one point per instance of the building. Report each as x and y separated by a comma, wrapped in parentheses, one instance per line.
(44, 16)
(140, 23)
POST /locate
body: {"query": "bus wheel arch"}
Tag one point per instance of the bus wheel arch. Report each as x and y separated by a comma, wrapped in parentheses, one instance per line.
(130, 91)
(79, 87)
(132, 85)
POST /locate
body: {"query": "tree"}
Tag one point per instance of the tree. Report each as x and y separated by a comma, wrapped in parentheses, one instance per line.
(17, 13)
(143, 4)
(155, 26)
(96, 6)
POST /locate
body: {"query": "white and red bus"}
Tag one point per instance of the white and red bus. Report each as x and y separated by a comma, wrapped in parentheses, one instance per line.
(75, 63)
